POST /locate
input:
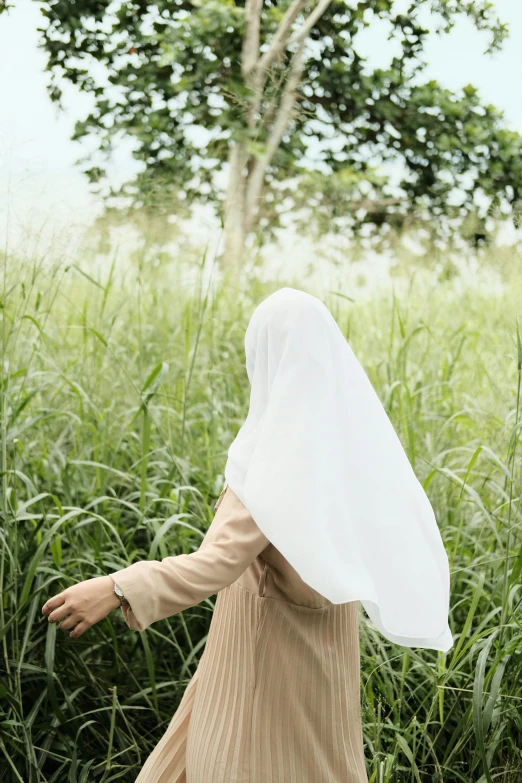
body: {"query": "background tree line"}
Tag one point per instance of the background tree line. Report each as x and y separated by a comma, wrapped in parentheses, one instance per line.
(292, 119)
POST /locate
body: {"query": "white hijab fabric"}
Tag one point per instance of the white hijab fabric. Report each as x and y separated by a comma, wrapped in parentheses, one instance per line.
(320, 468)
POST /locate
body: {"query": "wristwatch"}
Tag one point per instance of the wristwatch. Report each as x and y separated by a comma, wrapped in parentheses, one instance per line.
(120, 595)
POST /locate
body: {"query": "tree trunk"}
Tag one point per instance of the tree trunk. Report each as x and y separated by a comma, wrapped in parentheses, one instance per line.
(235, 218)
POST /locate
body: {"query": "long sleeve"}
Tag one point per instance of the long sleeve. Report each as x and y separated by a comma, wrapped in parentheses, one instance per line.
(156, 589)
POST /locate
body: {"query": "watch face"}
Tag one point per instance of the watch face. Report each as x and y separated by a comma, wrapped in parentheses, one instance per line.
(118, 591)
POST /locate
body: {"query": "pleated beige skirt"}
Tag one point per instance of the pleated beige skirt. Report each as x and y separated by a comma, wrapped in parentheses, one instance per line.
(276, 695)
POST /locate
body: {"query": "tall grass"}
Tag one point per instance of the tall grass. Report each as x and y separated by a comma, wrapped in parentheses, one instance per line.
(119, 398)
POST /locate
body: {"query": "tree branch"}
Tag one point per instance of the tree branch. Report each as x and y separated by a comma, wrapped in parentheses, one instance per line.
(316, 14)
(283, 117)
(250, 51)
(257, 76)
(280, 40)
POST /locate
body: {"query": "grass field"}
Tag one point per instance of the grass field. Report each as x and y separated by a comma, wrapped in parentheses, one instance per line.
(120, 397)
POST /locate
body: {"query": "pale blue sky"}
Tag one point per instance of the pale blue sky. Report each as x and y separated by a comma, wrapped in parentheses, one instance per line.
(38, 177)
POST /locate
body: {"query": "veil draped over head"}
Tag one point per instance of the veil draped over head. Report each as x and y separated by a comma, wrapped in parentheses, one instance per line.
(320, 468)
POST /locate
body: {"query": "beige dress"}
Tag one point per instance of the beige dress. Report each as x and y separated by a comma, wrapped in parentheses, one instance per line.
(276, 695)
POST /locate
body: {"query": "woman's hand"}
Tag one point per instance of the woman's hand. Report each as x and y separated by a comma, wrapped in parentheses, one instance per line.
(82, 605)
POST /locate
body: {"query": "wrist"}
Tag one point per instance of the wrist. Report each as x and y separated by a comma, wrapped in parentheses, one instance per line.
(115, 601)
(119, 598)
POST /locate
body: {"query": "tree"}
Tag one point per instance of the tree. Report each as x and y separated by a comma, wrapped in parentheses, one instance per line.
(289, 109)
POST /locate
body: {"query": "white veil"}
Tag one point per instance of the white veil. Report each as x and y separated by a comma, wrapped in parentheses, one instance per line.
(320, 468)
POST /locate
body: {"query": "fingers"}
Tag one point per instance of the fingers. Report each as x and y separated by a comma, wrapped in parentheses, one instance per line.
(68, 622)
(59, 614)
(81, 605)
(69, 618)
(53, 603)
(80, 628)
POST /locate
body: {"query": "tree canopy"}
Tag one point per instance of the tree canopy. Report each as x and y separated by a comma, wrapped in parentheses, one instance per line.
(278, 95)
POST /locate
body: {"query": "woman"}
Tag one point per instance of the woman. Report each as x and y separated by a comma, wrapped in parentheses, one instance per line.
(340, 518)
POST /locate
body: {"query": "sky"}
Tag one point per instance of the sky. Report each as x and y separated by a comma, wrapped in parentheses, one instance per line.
(42, 188)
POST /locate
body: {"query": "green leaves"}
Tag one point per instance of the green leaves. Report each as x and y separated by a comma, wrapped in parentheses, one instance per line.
(482, 716)
(154, 379)
(178, 64)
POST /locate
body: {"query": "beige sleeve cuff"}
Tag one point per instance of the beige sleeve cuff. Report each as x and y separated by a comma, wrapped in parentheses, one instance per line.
(156, 589)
